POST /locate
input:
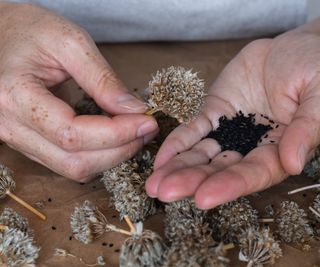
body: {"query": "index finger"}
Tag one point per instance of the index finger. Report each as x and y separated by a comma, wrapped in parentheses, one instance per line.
(57, 122)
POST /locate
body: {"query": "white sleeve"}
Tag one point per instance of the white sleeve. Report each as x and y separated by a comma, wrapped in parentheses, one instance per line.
(313, 9)
(179, 20)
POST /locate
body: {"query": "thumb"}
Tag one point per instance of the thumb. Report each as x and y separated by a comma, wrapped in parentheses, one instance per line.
(302, 135)
(83, 61)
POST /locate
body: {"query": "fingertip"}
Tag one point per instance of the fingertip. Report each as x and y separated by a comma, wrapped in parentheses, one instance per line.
(151, 186)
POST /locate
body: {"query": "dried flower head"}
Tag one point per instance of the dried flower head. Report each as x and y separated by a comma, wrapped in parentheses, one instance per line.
(126, 182)
(258, 247)
(144, 249)
(292, 223)
(231, 219)
(12, 219)
(184, 219)
(191, 252)
(17, 249)
(312, 168)
(176, 92)
(6, 181)
(88, 223)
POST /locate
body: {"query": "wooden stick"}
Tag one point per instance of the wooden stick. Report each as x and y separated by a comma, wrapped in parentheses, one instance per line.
(266, 220)
(314, 211)
(228, 246)
(26, 205)
(3, 227)
(303, 188)
(151, 111)
(122, 231)
(129, 222)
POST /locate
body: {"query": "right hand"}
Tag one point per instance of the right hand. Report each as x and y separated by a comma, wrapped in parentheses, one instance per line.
(39, 50)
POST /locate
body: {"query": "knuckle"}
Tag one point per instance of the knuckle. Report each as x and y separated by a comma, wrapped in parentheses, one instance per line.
(68, 139)
(76, 168)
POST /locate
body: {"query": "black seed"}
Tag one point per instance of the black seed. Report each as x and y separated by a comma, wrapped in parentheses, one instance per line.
(271, 121)
(110, 245)
(304, 195)
(114, 216)
(104, 244)
(277, 125)
(271, 141)
(117, 250)
(239, 133)
(94, 187)
(53, 228)
(224, 156)
(49, 199)
(82, 183)
(70, 238)
(266, 136)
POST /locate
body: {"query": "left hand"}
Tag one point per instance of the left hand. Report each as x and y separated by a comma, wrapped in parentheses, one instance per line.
(277, 77)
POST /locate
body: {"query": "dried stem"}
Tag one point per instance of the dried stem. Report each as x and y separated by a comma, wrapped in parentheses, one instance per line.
(119, 230)
(3, 227)
(266, 220)
(228, 246)
(314, 211)
(130, 224)
(26, 205)
(151, 111)
(303, 188)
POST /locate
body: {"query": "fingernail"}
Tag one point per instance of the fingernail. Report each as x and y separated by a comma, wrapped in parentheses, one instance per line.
(146, 128)
(302, 155)
(130, 102)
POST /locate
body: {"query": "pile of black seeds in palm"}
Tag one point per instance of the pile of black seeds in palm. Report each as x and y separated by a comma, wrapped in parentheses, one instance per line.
(240, 133)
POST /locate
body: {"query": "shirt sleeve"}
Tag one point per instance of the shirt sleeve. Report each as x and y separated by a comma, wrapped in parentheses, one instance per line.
(180, 20)
(313, 9)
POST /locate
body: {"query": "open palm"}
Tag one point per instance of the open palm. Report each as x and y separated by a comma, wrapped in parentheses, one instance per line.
(279, 78)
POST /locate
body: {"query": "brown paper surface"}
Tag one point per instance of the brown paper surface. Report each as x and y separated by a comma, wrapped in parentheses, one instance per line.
(134, 63)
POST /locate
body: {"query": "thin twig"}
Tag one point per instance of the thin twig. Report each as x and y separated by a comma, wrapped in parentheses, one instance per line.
(303, 188)
(26, 205)
(266, 220)
(3, 227)
(228, 246)
(130, 224)
(314, 211)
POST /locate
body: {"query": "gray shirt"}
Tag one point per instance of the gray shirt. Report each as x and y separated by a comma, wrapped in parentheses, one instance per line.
(176, 20)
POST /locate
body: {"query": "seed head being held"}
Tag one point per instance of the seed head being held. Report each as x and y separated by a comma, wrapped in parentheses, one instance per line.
(176, 92)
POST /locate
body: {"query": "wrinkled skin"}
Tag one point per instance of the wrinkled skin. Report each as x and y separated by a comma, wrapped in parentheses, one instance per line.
(39, 50)
(277, 77)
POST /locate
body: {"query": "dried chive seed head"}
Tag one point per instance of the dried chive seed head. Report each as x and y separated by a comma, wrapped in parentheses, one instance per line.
(192, 252)
(184, 219)
(177, 92)
(146, 249)
(239, 133)
(17, 249)
(258, 247)
(292, 223)
(312, 168)
(6, 181)
(126, 182)
(12, 219)
(231, 219)
(88, 223)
